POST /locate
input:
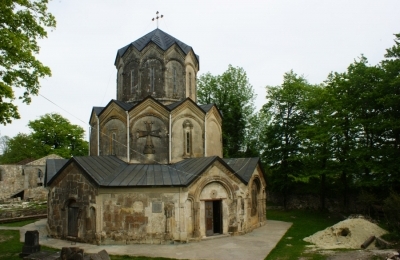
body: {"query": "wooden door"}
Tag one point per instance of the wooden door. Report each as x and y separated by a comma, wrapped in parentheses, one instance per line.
(209, 218)
(73, 211)
(217, 216)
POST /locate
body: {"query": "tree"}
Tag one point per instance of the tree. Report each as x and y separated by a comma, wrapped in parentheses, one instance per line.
(234, 96)
(22, 23)
(3, 143)
(51, 134)
(19, 148)
(57, 135)
(282, 142)
(390, 125)
(259, 123)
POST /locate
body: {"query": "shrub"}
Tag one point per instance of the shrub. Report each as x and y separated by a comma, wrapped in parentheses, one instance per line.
(391, 208)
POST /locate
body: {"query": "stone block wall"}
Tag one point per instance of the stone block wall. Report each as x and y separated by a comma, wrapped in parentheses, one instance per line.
(27, 178)
(148, 216)
(12, 180)
(72, 189)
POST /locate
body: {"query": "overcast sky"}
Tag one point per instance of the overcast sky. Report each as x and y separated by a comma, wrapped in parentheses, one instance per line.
(266, 38)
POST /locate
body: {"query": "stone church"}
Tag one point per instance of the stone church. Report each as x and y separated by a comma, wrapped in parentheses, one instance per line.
(155, 172)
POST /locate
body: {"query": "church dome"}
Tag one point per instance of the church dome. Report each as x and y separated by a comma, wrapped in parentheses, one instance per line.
(157, 65)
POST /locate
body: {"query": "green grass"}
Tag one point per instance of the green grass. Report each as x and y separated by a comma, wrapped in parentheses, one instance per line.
(10, 247)
(19, 223)
(305, 223)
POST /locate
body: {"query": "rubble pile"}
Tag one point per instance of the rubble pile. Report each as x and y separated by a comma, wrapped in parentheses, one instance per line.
(349, 233)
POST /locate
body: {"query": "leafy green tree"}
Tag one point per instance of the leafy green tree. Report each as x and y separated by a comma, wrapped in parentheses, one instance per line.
(390, 123)
(51, 134)
(57, 135)
(234, 96)
(19, 148)
(259, 122)
(316, 136)
(282, 142)
(344, 134)
(22, 23)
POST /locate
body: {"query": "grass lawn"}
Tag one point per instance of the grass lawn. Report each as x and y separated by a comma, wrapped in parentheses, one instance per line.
(291, 246)
(305, 223)
(10, 247)
(19, 223)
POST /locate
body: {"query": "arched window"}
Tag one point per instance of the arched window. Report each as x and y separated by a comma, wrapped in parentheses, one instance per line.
(187, 137)
(187, 142)
(120, 92)
(40, 177)
(113, 143)
(151, 75)
(132, 82)
(190, 84)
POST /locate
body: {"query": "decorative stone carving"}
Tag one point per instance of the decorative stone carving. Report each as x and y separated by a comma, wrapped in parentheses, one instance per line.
(148, 133)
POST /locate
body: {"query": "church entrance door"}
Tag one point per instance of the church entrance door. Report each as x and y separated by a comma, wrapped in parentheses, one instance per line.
(73, 211)
(213, 217)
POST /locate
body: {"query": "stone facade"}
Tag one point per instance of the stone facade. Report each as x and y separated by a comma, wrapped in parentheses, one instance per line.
(72, 197)
(151, 132)
(155, 173)
(161, 70)
(217, 203)
(25, 181)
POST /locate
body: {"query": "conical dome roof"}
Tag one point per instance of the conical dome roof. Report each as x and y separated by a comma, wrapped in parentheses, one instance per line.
(162, 39)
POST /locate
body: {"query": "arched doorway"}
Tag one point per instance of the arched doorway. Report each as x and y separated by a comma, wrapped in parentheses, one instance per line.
(73, 215)
(214, 208)
(213, 216)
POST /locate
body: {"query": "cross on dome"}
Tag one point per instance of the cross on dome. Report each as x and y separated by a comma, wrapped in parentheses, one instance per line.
(157, 17)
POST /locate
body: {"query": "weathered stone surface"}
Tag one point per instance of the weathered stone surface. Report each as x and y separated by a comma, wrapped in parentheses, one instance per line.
(43, 255)
(71, 253)
(31, 244)
(24, 179)
(166, 128)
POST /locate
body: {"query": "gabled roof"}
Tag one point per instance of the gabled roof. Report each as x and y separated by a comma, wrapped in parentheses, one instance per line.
(207, 107)
(243, 166)
(127, 106)
(52, 167)
(97, 110)
(109, 171)
(160, 38)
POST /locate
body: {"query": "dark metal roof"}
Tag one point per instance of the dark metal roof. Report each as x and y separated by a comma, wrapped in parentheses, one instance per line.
(52, 167)
(126, 106)
(98, 110)
(172, 106)
(109, 171)
(244, 167)
(206, 107)
(158, 37)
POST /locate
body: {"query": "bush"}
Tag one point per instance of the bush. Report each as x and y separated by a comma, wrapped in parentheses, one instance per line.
(391, 208)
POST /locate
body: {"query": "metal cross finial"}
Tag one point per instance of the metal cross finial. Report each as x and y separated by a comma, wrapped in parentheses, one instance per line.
(157, 17)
